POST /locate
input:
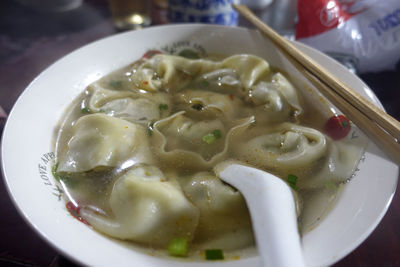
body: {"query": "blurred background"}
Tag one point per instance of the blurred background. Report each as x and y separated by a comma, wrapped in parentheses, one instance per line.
(362, 35)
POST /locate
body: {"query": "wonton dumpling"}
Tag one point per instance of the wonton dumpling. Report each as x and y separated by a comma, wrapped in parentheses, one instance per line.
(101, 140)
(100, 96)
(208, 104)
(173, 137)
(144, 77)
(135, 107)
(340, 163)
(174, 72)
(273, 107)
(220, 80)
(224, 219)
(249, 68)
(185, 133)
(289, 146)
(282, 84)
(275, 101)
(147, 209)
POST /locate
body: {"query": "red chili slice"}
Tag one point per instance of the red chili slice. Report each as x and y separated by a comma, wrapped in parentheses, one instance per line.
(151, 53)
(337, 127)
(75, 212)
(72, 208)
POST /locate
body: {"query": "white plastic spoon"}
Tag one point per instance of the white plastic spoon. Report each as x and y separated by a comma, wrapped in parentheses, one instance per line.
(272, 210)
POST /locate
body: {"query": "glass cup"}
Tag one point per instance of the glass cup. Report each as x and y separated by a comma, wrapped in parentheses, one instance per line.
(130, 14)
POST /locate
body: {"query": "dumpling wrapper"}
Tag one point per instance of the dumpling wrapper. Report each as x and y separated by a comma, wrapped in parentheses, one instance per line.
(172, 153)
(128, 105)
(174, 72)
(209, 104)
(275, 101)
(250, 69)
(102, 140)
(340, 163)
(289, 146)
(243, 73)
(187, 134)
(147, 209)
(224, 218)
(220, 81)
(305, 152)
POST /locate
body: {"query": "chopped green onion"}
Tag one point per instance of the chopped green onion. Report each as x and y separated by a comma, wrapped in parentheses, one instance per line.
(163, 107)
(190, 54)
(54, 172)
(85, 110)
(292, 180)
(116, 84)
(178, 247)
(217, 133)
(209, 138)
(212, 137)
(214, 254)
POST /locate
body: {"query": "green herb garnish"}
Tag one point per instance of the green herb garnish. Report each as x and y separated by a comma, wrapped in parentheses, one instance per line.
(209, 138)
(85, 110)
(69, 181)
(116, 84)
(214, 254)
(292, 181)
(212, 137)
(54, 172)
(178, 247)
(188, 53)
(65, 178)
(217, 133)
(163, 107)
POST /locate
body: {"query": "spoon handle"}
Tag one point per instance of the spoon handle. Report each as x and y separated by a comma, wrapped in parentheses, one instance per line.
(273, 213)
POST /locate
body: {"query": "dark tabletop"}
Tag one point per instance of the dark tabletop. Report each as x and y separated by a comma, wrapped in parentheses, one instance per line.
(31, 40)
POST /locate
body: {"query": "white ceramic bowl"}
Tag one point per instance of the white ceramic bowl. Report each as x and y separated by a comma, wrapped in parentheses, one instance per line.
(26, 160)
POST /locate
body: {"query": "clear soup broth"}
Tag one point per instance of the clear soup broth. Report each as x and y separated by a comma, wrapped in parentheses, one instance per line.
(135, 152)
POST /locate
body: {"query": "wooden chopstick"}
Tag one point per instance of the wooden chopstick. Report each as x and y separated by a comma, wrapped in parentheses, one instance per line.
(383, 129)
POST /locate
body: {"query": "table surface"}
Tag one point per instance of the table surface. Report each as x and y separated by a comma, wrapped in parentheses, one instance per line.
(30, 41)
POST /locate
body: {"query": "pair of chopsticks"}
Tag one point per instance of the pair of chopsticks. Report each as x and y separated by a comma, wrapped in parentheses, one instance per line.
(380, 127)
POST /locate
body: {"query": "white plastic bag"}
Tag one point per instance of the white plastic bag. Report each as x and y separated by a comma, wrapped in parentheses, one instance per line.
(364, 33)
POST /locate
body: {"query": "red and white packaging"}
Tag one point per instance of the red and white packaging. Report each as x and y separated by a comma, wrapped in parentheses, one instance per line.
(364, 32)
